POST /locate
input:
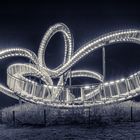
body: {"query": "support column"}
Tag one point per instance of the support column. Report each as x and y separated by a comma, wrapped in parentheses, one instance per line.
(118, 90)
(103, 69)
(103, 63)
(70, 78)
(110, 91)
(67, 95)
(82, 95)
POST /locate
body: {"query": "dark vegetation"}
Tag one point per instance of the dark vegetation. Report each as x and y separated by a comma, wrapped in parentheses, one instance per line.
(102, 115)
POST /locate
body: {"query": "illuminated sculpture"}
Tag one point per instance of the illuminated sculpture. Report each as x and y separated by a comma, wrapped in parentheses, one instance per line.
(60, 95)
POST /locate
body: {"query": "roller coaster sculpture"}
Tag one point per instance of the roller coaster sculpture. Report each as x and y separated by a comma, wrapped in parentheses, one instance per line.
(19, 85)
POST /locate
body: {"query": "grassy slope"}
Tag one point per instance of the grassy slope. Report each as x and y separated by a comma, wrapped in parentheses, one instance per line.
(101, 115)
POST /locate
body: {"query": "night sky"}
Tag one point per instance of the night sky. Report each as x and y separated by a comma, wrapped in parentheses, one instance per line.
(23, 25)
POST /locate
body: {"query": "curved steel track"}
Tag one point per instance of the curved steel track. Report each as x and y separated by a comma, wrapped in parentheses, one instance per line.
(21, 85)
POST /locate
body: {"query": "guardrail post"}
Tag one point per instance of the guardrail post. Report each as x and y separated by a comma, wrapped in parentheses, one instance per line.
(0, 116)
(89, 115)
(14, 119)
(131, 114)
(44, 117)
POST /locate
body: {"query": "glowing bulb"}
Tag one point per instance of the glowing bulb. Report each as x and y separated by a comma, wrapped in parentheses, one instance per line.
(111, 82)
(105, 84)
(87, 87)
(122, 79)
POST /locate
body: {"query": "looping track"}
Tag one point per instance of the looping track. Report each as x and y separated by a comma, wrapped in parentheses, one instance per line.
(21, 85)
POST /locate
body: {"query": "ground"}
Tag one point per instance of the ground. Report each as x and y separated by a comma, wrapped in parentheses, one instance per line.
(129, 131)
